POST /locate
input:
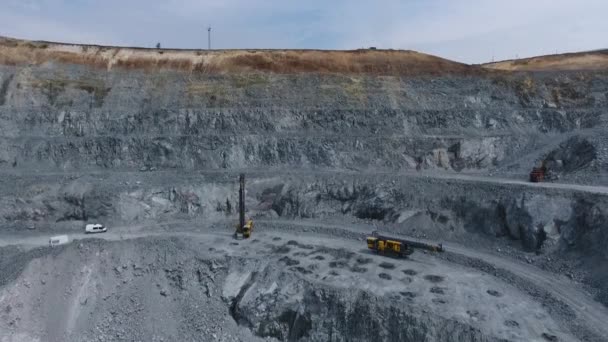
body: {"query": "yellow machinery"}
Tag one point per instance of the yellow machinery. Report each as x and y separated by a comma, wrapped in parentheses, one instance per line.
(399, 247)
(243, 229)
(383, 245)
(247, 229)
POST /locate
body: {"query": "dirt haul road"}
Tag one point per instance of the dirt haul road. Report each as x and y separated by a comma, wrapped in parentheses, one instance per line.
(471, 177)
(560, 296)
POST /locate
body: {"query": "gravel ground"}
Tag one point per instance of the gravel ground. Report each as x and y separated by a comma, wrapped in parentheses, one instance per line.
(204, 286)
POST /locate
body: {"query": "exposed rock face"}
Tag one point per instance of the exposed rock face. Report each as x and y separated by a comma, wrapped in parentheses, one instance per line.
(479, 154)
(67, 117)
(586, 228)
(488, 218)
(452, 207)
(329, 315)
(573, 155)
(534, 218)
(129, 142)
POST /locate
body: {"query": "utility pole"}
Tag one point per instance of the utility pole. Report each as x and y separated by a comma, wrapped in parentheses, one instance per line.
(209, 38)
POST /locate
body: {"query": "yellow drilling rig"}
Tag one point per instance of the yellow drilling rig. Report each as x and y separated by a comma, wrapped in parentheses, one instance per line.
(243, 229)
(399, 247)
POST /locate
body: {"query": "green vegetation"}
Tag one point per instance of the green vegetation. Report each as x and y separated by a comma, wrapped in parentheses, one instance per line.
(54, 87)
(249, 80)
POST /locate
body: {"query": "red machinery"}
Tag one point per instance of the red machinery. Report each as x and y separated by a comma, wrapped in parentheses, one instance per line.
(538, 174)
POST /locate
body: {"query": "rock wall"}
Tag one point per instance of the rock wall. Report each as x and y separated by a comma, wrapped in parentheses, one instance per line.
(340, 315)
(130, 144)
(569, 219)
(80, 143)
(69, 117)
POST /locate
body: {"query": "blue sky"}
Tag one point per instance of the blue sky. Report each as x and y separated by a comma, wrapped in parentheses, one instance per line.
(471, 31)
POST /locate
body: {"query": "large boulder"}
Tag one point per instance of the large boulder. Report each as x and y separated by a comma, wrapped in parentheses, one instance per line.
(477, 153)
(574, 154)
(534, 218)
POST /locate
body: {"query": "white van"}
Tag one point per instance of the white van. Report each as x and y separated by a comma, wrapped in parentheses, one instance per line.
(58, 240)
(95, 228)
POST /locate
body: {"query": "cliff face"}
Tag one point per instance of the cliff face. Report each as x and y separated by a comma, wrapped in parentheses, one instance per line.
(125, 135)
(68, 111)
(72, 117)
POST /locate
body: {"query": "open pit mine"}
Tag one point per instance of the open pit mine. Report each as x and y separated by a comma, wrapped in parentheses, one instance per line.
(386, 196)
